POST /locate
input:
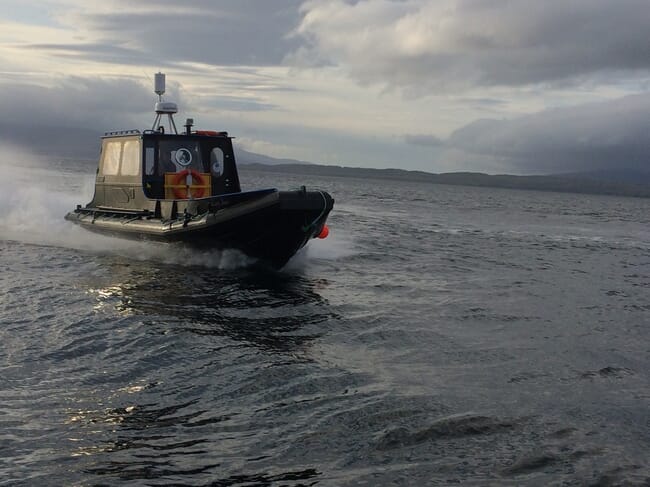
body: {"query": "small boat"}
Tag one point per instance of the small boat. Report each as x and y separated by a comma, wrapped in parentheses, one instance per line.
(184, 187)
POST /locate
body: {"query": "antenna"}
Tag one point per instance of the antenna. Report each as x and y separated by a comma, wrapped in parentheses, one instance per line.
(163, 107)
(159, 85)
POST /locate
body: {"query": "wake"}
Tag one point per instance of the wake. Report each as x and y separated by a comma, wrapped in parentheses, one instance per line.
(37, 193)
(34, 199)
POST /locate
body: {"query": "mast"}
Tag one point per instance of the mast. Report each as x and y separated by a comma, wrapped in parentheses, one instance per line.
(163, 107)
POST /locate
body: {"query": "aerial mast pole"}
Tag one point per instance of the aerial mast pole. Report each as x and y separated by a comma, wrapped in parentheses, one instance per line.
(163, 107)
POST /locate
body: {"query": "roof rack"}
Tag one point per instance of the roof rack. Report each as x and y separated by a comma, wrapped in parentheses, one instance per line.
(122, 132)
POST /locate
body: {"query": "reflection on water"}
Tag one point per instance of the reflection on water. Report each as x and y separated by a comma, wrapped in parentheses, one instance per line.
(259, 307)
(222, 337)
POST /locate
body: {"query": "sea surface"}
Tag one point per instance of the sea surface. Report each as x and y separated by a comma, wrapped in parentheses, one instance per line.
(441, 335)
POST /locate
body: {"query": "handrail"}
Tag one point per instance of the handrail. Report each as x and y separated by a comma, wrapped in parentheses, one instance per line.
(122, 132)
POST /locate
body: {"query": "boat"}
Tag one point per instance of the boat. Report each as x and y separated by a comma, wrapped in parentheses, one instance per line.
(162, 185)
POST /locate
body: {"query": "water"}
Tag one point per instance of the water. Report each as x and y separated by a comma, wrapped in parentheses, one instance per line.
(440, 335)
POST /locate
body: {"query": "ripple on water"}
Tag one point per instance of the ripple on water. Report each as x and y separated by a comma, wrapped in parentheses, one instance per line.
(444, 335)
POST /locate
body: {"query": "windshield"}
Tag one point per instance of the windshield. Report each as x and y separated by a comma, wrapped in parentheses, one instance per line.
(176, 156)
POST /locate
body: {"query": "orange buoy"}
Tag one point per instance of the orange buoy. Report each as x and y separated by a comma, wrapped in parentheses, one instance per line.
(325, 231)
(182, 193)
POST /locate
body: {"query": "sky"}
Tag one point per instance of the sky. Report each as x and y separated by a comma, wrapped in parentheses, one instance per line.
(497, 86)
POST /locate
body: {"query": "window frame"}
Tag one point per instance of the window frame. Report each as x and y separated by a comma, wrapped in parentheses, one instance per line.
(107, 152)
(108, 158)
(131, 164)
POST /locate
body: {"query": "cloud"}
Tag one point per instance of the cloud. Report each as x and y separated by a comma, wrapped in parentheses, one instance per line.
(461, 59)
(595, 136)
(425, 46)
(215, 32)
(423, 140)
(65, 115)
(98, 52)
(239, 104)
(77, 101)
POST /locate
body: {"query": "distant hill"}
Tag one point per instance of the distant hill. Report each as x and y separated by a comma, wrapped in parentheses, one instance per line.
(560, 183)
(244, 157)
(84, 144)
(623, 175)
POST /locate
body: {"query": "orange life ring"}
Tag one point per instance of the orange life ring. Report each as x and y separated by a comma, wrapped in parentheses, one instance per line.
(182, 193)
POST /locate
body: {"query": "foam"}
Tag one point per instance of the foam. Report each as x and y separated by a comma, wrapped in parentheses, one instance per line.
(34, 198)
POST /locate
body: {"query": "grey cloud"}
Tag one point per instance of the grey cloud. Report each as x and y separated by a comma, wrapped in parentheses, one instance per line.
(106, 52)
(67, 116)
(251, 79)
(423, 140)
(427, 45)
(65, 119)
(94, 103)
(239, 104)
(484, 103)
(596, 136)
(113, 103)
(211, 32)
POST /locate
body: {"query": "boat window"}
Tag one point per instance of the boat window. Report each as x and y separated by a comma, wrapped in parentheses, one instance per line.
(174, 156)
(112, 151)
(216, 162)
(131, 158)
(149, 160)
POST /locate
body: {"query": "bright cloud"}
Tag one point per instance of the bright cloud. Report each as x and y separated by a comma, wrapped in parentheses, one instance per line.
(451, 45)
(526, 86)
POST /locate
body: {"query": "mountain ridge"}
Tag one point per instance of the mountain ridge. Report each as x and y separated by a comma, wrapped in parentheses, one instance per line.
(555, 183)
(84, 144)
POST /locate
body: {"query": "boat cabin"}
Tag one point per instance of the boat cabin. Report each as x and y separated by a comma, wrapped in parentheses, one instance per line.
(169, 186)
(136, 166)
(161, 171)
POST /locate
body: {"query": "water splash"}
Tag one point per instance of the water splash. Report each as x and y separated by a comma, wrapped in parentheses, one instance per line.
(38, 193)
(35, 197)
(336, 246)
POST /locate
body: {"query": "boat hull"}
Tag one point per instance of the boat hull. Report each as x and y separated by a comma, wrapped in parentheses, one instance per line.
(271, 226)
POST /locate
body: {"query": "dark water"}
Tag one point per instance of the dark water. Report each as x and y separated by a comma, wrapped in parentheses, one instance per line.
(441, 335)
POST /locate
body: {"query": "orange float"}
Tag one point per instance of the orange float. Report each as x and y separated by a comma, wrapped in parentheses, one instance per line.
(181, 193)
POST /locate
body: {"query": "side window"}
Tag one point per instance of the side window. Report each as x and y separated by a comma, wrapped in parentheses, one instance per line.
(112, 152)
(149, 161)
(131, 158)
(216, 162)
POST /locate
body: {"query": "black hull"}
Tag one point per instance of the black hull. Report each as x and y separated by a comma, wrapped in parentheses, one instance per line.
(271, 226)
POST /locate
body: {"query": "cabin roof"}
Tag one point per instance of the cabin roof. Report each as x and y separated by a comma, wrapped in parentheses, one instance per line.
(121, 133)
(195, 133)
